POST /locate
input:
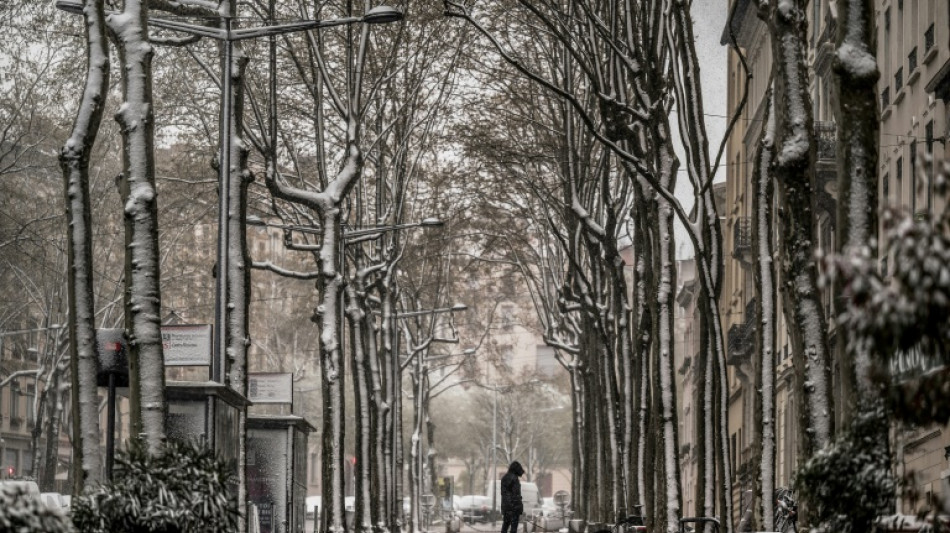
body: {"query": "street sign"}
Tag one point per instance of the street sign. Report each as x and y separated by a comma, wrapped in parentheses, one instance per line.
(267, 387)
(187, 345)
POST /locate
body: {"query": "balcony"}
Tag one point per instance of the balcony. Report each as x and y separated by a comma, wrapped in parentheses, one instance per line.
(930, 51)
(740, 341)
(826, 140)
(742, 237)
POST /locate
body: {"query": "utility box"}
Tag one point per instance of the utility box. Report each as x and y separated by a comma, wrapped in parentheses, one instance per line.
(205, 411)
(276, 471)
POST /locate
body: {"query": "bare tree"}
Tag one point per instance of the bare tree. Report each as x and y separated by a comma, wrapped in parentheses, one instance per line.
(74, 159)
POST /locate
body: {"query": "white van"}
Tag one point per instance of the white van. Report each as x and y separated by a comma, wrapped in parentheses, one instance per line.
(530, 497)
(27, 489)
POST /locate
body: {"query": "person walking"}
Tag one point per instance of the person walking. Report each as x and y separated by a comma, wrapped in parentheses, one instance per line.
(511, 504)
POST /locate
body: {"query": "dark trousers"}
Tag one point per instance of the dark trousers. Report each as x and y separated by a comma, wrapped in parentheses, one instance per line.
(510, 520)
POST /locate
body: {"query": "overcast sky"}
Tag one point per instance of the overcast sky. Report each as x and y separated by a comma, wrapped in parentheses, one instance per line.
(710, 19)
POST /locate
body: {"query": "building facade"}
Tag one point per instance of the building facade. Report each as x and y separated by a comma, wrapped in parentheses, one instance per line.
(912, 50)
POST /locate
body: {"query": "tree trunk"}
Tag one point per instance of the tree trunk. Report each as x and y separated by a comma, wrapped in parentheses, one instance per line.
(362, 390)
(858, 118)
(765, 293)
(143, 313)
(795, 174)
(328, 314)
(670, 505)
(74, 161)
(236, 319)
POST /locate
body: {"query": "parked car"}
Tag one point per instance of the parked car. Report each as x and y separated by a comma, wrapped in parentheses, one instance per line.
(475, 508)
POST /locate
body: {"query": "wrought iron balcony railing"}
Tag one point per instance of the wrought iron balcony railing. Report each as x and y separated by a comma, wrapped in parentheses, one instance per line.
(742, 236)
(826, 139)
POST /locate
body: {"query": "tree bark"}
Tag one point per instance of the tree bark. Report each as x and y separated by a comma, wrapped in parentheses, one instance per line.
(143, 311)
(858, 118)
(765, 294)
(74, 161)
(794, 171)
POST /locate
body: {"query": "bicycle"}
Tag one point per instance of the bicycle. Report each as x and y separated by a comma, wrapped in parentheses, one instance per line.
(786, 511)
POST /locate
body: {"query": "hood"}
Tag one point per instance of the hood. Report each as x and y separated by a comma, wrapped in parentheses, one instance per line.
(516, 469)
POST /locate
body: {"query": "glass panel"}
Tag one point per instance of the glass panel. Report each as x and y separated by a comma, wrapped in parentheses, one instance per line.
(300, 481)
(226, 430)
(187, 420)
(26, 464)
(267, 471)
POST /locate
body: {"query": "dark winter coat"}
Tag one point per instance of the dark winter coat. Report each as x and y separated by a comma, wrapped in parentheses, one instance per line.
(511, 490)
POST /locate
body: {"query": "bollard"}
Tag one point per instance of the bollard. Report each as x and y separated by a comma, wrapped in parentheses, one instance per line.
(453, 525)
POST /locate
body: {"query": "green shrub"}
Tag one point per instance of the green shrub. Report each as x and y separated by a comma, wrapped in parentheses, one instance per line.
(185, 489)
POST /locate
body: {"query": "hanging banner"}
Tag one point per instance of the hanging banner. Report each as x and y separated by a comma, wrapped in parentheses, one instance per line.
(266, 387)
(187, 345)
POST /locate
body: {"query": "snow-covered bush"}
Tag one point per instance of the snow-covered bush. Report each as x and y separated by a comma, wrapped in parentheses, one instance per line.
(849, 483)
(21, 512)
(185, 489)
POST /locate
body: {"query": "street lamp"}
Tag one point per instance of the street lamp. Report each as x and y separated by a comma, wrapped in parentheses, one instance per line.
(227, 35)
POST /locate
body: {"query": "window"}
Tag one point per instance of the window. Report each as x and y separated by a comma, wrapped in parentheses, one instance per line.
(929, 146)
(26, 467)
(507, 315)
(898, 82)
(733, 451)
(886, 186)
(30, 399)
(912, 61)
(913, 177)
(899, 194)
(14, 400)
(929, 136)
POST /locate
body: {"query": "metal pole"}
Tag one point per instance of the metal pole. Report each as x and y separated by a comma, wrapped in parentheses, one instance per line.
(110, 428)
(494, 461)
(219, 361)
